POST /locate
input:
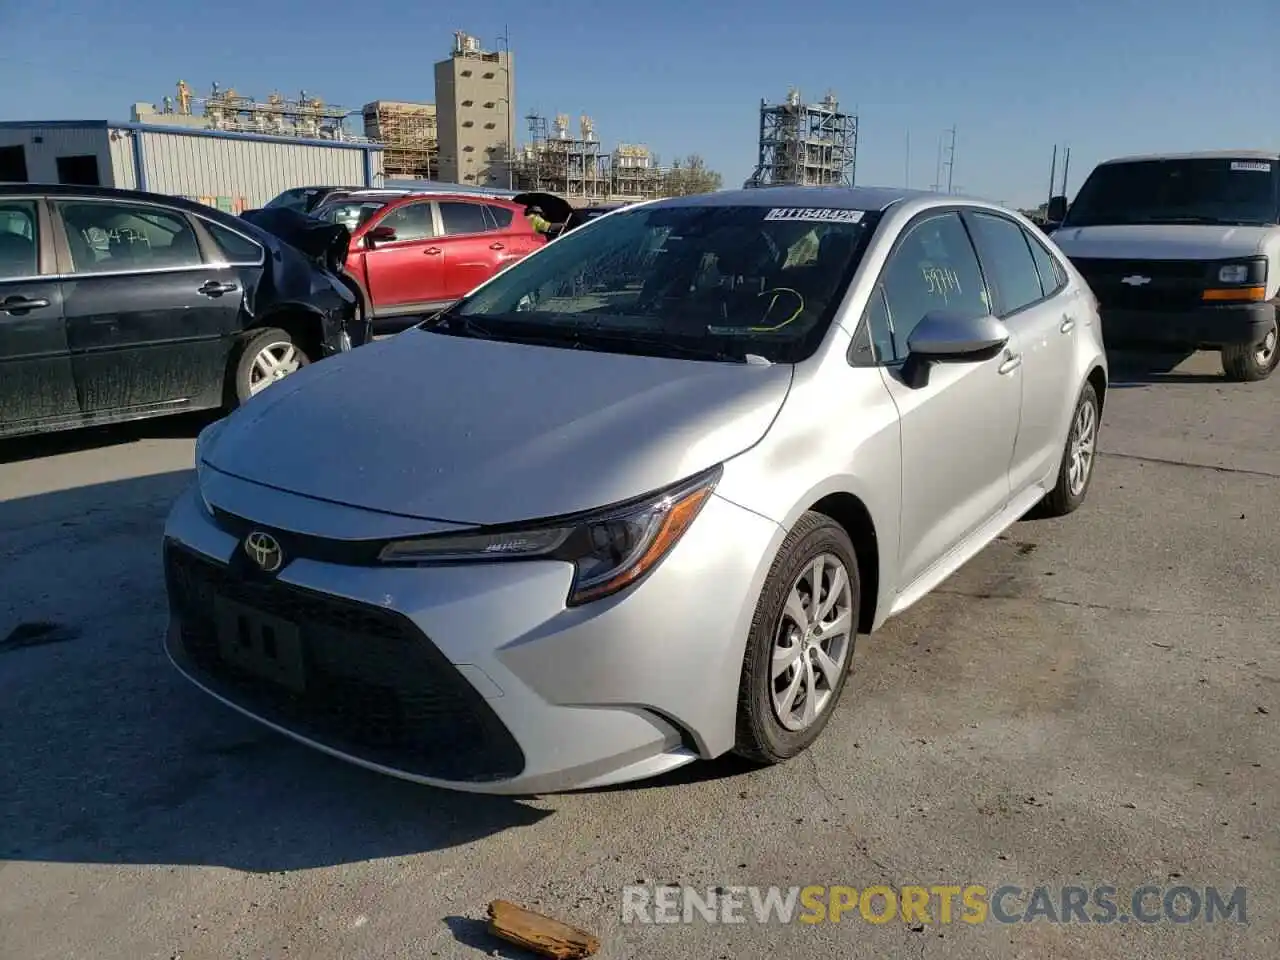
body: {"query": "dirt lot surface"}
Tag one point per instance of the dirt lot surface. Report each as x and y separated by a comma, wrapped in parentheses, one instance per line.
(1092, 701)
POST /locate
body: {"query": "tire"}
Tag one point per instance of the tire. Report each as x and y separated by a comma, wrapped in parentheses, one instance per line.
(1067, 494)
(762, 735)
(244, 381)
(1251, 362)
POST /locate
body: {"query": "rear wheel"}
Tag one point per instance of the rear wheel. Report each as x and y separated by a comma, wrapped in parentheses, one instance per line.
(1248, 363)
(1077, 458)
(801, 643)
(267, 357)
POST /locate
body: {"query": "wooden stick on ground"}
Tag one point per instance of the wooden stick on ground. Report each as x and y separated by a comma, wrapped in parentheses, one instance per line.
(542, 935)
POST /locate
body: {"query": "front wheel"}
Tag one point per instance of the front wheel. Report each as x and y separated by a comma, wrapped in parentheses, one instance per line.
(801, 642)
(1250, 362)
(1077, 458)
(268, 356)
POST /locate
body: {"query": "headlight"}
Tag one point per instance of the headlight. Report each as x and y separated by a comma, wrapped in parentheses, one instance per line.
(1253, 271)
(204, 439)
(610, 549)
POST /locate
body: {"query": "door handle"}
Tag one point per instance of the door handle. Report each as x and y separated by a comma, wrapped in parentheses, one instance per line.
(1068, 324)
(18, 305)
(497, 246)
(1012, 361)
(216, 288)
(431, 251)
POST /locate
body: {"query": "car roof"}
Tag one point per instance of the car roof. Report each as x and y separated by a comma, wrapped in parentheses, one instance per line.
(838, 198)
(1199, 155)
(115, 193)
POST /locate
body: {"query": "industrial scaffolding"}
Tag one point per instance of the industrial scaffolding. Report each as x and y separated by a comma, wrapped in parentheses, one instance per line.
(577, 167)
(409, 136)
(303, 116)
(807, 144)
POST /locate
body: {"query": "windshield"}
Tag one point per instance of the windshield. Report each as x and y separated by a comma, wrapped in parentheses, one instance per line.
(721, 283)
(350, 213)
(1222, 191)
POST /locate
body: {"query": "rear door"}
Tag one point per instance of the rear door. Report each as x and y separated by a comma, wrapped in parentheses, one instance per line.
(475, 247)
(151, 318)
(36, 383)
(406, 274)
(1044, 326)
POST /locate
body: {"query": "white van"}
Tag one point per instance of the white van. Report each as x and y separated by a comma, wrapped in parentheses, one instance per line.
(1182, 252)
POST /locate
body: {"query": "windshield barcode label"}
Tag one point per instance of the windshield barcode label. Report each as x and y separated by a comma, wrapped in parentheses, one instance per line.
(815, 214)
(1257, 166)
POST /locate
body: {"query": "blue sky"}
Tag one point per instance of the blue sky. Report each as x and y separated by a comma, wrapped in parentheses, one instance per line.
(1108, 77)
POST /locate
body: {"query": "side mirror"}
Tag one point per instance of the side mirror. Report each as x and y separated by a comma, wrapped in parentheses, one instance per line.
(1057, 210)
(379, 235)
(945, 337)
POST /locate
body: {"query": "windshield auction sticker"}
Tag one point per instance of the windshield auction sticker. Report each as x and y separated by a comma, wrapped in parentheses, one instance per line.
(1258, 166)
(815, 214)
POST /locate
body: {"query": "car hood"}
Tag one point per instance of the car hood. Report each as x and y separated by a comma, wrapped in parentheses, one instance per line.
(1164, 241)
(471, 431)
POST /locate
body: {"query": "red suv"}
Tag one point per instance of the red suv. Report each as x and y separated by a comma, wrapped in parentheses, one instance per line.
(417, 254)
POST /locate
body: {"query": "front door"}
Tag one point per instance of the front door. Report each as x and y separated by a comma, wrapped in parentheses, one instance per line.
(958, 431)
(1044, 323)
(36, 383)
(149, 323)
(407, 274)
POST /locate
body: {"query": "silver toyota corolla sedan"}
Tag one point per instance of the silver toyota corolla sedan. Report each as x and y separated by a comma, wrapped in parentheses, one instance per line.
(629, 503)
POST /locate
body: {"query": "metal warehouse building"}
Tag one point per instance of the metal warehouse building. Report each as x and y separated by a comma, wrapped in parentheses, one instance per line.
(231, 171)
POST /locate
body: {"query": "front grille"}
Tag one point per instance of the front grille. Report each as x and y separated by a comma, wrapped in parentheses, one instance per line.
(373, 686)
(1174, 285)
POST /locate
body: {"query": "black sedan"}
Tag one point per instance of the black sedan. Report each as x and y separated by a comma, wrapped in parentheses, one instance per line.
(117, 305)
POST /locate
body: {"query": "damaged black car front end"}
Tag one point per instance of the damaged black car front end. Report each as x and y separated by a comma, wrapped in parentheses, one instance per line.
(306, 270)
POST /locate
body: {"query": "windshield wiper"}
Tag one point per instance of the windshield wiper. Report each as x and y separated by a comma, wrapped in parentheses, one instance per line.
(455, 324)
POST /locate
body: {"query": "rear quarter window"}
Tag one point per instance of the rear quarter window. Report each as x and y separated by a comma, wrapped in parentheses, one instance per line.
(502, 216)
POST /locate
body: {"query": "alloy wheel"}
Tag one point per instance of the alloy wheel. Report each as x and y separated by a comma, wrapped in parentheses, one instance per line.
(1084, 440)
(1267, 348)
(812, 642)
(274, 362)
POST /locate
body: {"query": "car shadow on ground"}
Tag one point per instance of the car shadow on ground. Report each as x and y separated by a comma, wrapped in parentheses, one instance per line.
(1138, 368)
(108, 755)
(177, 427)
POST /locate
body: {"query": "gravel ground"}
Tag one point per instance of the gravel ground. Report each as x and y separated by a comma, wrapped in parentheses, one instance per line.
(1090, 701)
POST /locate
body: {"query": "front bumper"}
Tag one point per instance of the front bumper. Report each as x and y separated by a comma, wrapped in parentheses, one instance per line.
(1196, 328)
(477, 677)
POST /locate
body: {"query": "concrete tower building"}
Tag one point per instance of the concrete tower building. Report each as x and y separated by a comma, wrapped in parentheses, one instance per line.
(474, 112)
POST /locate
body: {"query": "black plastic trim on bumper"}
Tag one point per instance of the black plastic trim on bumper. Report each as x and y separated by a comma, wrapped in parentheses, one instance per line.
(1201, 327)
(377, 689)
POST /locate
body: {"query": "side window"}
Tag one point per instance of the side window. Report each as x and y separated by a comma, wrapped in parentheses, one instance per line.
(1002, 245)
(19, 240)
(874, 340)
(236, 248)
(933, 268)
(411, 222)
(115, 237)
(501, 216)
(459, 217)
(1052, 279)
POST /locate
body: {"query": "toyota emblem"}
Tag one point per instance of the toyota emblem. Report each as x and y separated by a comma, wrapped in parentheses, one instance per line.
(264, 550)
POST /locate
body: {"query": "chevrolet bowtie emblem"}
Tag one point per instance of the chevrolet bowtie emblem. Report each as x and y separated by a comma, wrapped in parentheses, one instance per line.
(1136, 280)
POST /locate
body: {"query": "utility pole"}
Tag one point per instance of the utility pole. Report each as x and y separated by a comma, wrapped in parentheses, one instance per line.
(1053, 172)
(1066, 163)
(511, 123)
(937, 170)
(951, 157)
